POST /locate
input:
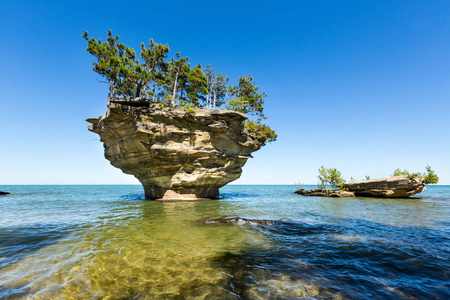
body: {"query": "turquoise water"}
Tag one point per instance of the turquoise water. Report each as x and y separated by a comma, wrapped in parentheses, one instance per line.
(107, 242)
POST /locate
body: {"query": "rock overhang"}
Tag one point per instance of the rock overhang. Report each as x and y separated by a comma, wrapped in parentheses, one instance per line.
(176, 154)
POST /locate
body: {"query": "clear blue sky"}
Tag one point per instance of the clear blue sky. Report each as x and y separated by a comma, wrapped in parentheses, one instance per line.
(363, 86)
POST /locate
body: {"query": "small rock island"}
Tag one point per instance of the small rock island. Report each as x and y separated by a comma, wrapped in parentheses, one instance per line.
(176, 155)
(402, 184)
(389, 187)
(181, 130)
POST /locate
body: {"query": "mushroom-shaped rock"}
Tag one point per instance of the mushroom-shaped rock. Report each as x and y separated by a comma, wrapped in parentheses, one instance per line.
(175, 153)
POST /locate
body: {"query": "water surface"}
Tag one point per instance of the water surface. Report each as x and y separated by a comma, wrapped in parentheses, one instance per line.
(107, 242)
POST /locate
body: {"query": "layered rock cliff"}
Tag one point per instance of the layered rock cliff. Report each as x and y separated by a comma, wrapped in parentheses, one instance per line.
(176, 155)
(389, 187)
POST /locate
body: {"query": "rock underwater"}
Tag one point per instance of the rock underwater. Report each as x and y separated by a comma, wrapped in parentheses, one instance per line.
(175, 153)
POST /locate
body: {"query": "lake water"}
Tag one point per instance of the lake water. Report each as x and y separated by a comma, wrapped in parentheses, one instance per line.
(107, 242)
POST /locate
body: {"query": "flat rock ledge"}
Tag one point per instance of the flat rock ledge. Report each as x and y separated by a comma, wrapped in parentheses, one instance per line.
(389, 187)
(324, 193)
(4, 193)
(175, 154)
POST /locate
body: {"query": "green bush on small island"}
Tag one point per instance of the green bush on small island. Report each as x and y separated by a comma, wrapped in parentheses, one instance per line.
(429, 177)
(330, 178)
(164, 83)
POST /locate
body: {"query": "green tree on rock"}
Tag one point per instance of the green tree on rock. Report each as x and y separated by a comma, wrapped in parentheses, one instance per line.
(330, 178)
(429, 177)
(150, 76)
(262, 132)
(245, 97)
(110, 59)
(176, 77)
(217, 88)
(197, 86)
(154, 64)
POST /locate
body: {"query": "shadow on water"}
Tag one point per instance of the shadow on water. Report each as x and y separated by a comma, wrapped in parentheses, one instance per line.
(221, 196)
(19, 242)
(238, 195)
(133, 197)
(352, 259)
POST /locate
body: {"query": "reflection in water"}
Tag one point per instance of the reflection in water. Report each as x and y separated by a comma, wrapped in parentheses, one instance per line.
(102, 246)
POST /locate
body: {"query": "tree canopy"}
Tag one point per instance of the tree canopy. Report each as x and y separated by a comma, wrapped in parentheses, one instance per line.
(156, 78)
(429, 177)
(330, 178)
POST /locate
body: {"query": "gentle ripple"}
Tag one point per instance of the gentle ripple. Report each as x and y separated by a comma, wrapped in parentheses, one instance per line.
(107, 242)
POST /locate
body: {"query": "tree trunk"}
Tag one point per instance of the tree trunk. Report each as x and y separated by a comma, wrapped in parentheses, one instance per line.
(174, 89)
(154, 91)
(210, 95)
(110, 92)
(138, 90)
(113, 90)
(215, 94)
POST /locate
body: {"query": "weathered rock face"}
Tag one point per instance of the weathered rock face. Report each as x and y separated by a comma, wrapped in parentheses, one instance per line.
(174, 154)
(389, 187)
(324, 193)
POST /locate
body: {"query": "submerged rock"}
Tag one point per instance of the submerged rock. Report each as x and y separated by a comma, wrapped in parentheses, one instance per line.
(389, 187)
(325, 193)
(233, 220)
(176, 155)
(4, 193)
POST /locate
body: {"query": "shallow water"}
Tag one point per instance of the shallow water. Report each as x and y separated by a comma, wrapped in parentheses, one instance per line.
(106, 242)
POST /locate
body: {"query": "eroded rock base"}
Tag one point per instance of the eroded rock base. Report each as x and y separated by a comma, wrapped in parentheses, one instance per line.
(176, 155)
(189, 194)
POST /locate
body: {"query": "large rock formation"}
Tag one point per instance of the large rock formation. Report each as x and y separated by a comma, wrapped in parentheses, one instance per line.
(389, 187)
(174, 153)
(4, 193)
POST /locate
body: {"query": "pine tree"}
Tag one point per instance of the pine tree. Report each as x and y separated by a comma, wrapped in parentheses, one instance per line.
(175, 77)
(217, 88)
(245, 97)
(220, 90)
(210, 77)
(197, 86)
(109, 56)
(119, 65)
(153, 57)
